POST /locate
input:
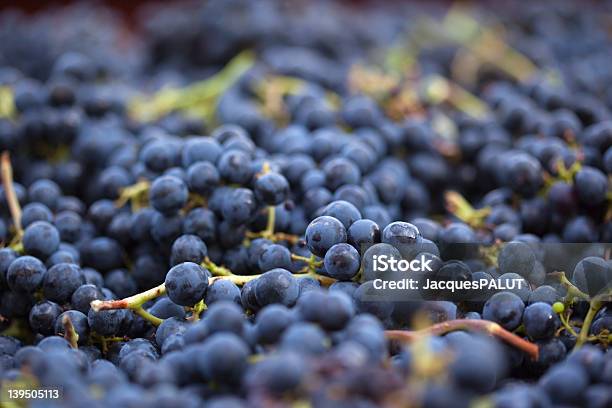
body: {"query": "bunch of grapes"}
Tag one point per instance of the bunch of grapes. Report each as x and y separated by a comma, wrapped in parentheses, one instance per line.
(190, 211)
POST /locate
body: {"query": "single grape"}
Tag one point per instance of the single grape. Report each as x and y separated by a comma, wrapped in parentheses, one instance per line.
(83, 296)
(239, 206)
(565, 383)
(222, 358)
(43, 316)
(41, 239)
(188, 248)
(202, 178)
(276, 286)
(168, 194)
(164, 308)
(186, 283)
(363, 233)
(274, 256)
(271, 322)
(106, 322)
(505, 308)
(222, 290)
(306, 337)
(343, 211)
(540, 321)
(25, 274)
(591, 186)
(60, 282)
(342, 261)
(516, 257)
(271, 188)
(324, 232)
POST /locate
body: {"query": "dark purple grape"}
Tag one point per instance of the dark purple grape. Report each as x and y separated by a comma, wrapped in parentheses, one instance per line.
(186, 283)
(324, 232)
(504, 308)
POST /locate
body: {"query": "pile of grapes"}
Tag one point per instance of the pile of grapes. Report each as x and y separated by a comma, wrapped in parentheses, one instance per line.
(192, 199)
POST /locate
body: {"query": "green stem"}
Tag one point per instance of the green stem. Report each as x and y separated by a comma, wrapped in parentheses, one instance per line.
(154, 320)
(132, 302)
(462, 209)
(271, 220)
(300, 258)
(268, 232)
(565, 322)
(311, 265)
(242, 279)
(275, 237)
(572, 290)
(567, 174)
(237, 279)
(7, 102)
(311, 260)
(133, 194)
(586, 325)
(215, 269)
(197, 310)
(104, 340)
(198, 98)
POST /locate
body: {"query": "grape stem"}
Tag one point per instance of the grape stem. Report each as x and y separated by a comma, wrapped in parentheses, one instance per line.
(567, 174)
(603, 337)
(565, 322)
(268, 232)
(311, 262)
(594, 307)
(154, 320)
(104, 340)
(196, 311)
(275, 237)
(199, 99)
(195, 200)
(309, 271)
(564, 174)
(132, 302)
(7, 102)
(491, 253)
(484, 326)
(215, 269)
(271, 91)
(439, 89)
(70, 333)
(572, 290)
(242, 279)
(11, 197)
(135, 302)
(135, 194)
(462, 209)
(237, 279)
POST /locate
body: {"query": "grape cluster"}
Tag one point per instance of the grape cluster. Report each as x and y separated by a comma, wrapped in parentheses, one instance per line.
(193, 222)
